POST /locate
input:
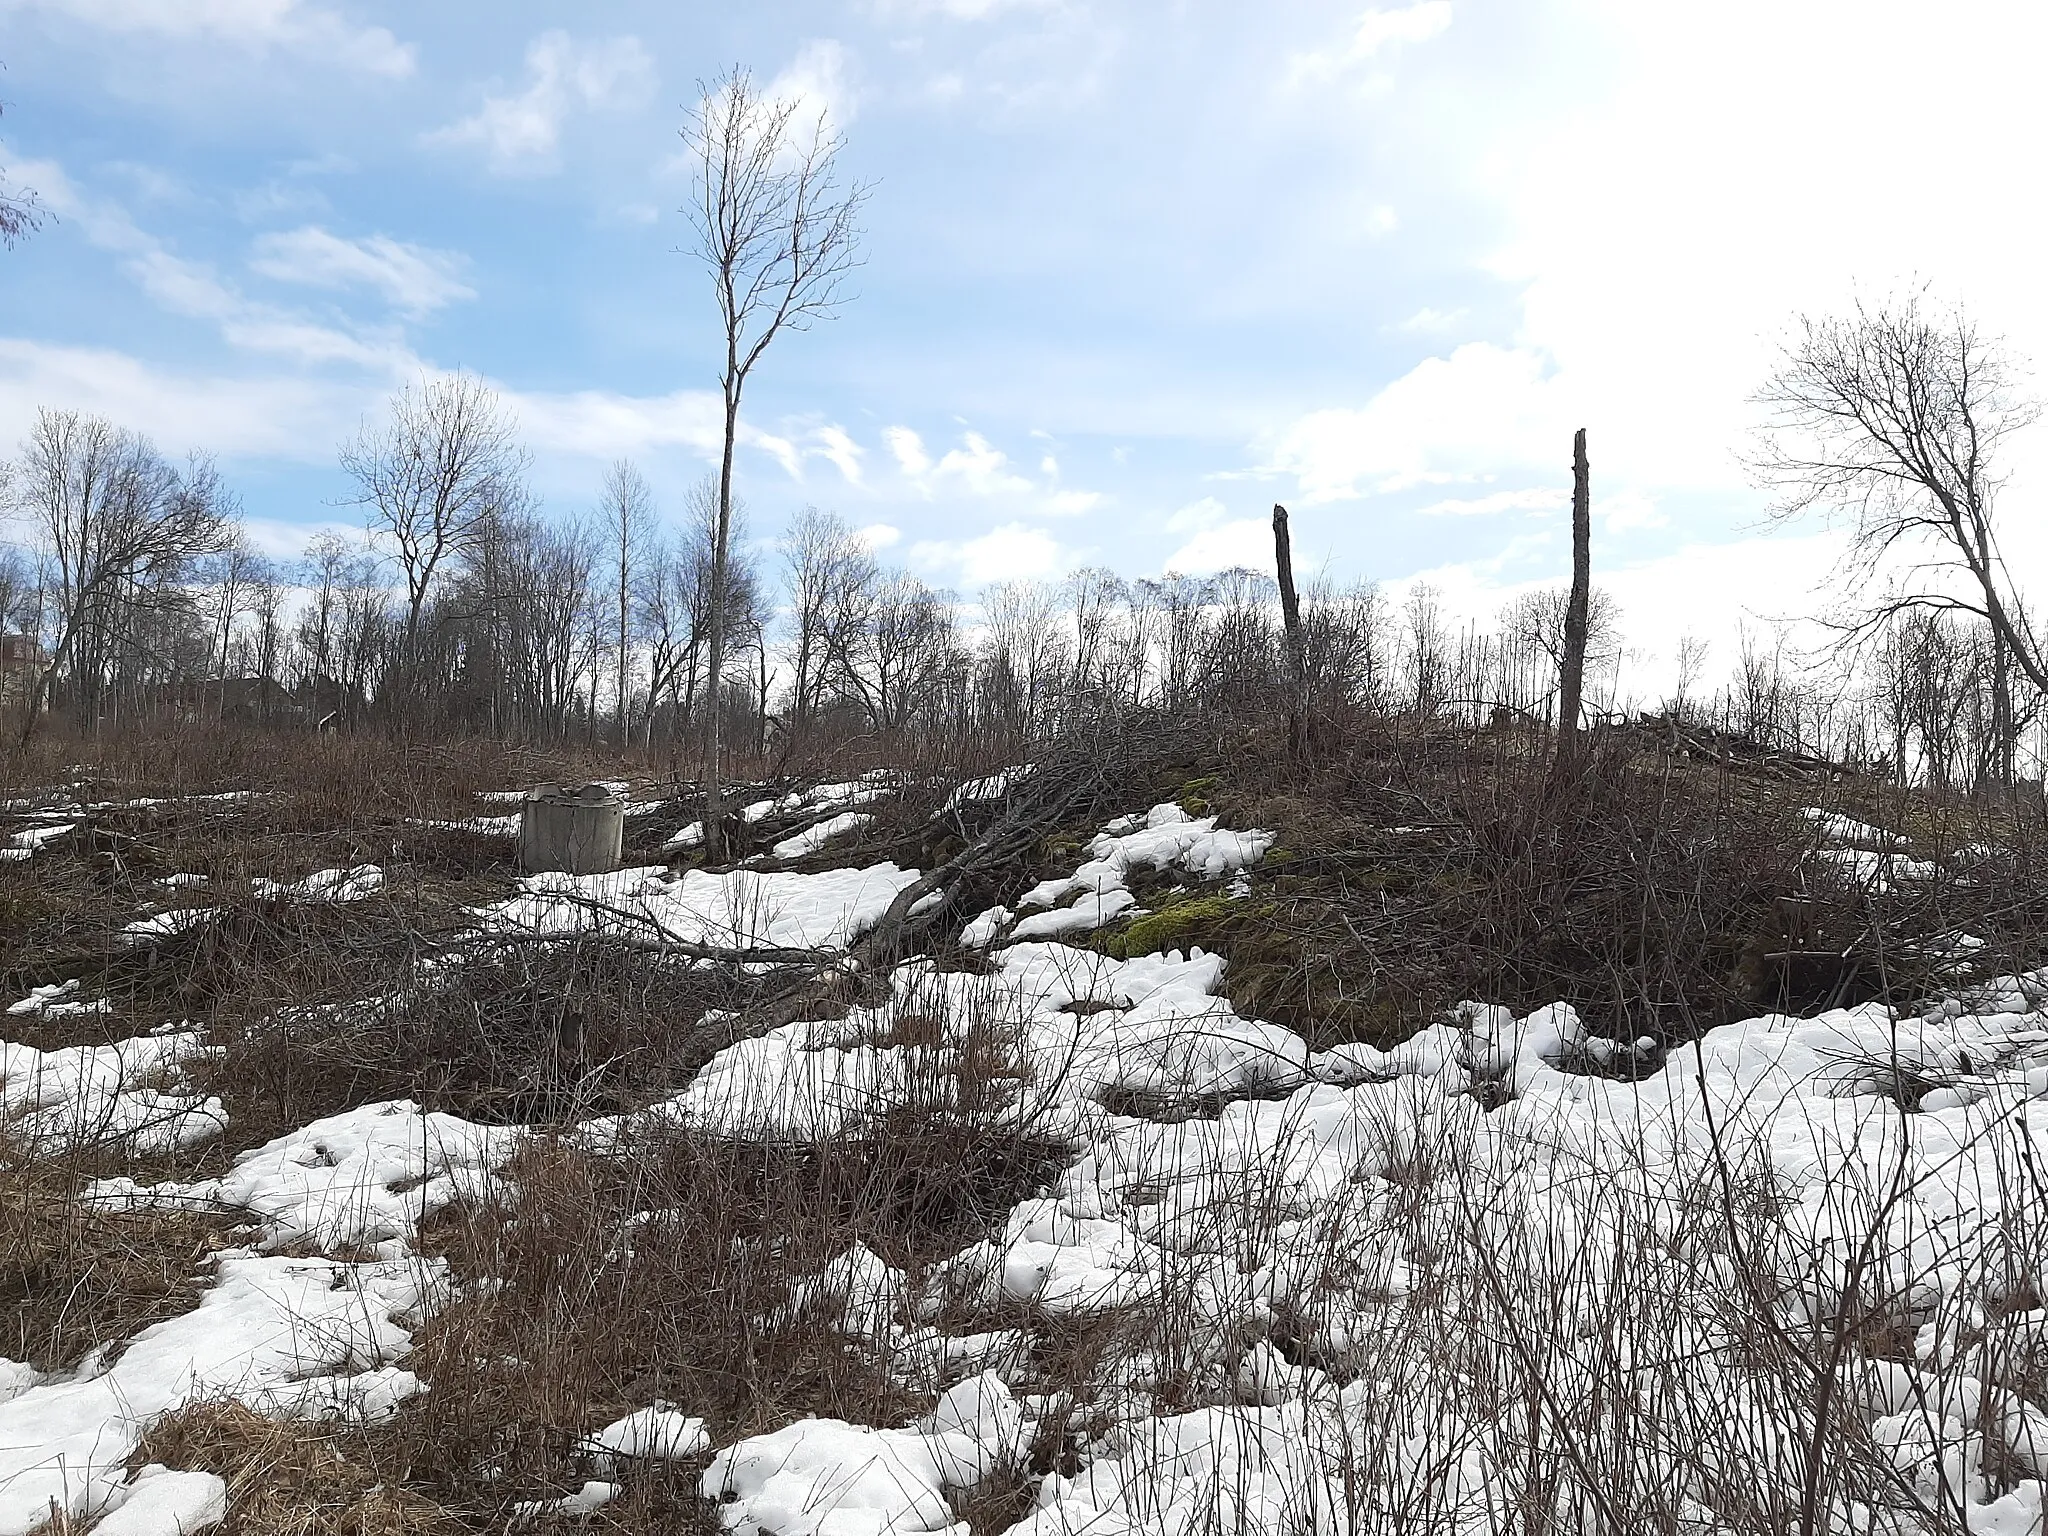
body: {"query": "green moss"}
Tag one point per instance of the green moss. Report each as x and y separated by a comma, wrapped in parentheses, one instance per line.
(1194, 795)
(1175, 925)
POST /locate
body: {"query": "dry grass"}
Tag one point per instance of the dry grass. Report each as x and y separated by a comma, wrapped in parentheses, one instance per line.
(290, 1479)
(75, 1277)
(1658, 898)
(515, 1035)
(679, 1266)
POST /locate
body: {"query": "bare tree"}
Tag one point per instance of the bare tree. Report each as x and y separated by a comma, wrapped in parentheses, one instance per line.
(626, 511)
(1023, 652)
(115, 524)
(1096, 596)
(232, 574)
(905, 638)
(266, 642)
(1890, 420)
(830, 575)
(445, 463)
(1427, 647)
(664, 609)
(1295, 650)
(1171, 608)
(322, 569)
(1539, 623)
(775, 228)
(1692, 665)
(17, 583)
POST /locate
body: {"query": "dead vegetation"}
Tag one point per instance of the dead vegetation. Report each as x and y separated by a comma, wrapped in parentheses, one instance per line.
(289, 1479)
(78, 1280)
(1657, 895)
(676, 1266)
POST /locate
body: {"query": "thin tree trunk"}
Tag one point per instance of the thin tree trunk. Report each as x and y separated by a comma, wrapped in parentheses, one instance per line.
(1297, 645)
(714, 832)
(1572, 673)
(38, 696)
(625, 616)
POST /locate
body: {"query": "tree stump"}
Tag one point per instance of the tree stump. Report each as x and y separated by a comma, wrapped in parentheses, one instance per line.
(578, 831)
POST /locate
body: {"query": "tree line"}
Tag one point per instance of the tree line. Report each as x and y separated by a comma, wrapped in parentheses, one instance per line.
(466, 608)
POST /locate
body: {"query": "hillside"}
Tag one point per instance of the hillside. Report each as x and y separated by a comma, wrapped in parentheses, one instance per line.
(1158, 1133)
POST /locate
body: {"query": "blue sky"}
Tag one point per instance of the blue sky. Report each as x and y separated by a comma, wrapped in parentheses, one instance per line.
(1133, 271)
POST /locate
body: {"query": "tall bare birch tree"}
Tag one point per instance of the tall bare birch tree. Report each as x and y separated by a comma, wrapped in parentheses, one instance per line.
(775, 229)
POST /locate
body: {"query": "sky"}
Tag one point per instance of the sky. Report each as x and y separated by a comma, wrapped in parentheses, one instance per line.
(1132, 272)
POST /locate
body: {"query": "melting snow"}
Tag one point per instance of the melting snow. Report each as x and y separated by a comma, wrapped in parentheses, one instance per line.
(1303, 1200)
(130, 1094)
(736, 909)
(353, 883)
(1166, 837)
(814, 837)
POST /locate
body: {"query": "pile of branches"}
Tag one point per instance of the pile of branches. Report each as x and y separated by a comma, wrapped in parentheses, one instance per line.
(1675, 736)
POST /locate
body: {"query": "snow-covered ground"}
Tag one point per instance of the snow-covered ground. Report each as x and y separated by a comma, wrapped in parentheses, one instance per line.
(1485, 1275)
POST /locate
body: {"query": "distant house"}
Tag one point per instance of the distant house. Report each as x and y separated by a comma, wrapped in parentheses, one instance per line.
(21, 663)
(227, 698)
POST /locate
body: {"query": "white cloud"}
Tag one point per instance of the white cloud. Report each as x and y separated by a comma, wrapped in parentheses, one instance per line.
(413, 278)
(521, 133)
(839, 449)
(1011, 552)
(603, 424)
(192, 288)
(1660, 240)
(1197, 516)
(283, 540)
(978, 467)
(1246, 541)
(1712, 592)
(908, 449)
(815, 82)
(1629, 509)
(1429, 320)
(257, 26)
(271, 415)
(956, 10)
(1534, 499)
(777, 447)
(1475, 413)
(1373, 33)
(879, 536)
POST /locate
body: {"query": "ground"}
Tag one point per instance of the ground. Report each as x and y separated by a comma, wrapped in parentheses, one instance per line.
(1154, 1132)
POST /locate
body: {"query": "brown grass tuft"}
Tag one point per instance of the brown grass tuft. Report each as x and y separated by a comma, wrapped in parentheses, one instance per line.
(76, 1277)
(290, 1479)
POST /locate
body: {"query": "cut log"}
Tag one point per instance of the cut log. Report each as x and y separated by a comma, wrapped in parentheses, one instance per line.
(577, 831)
